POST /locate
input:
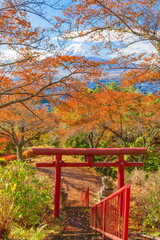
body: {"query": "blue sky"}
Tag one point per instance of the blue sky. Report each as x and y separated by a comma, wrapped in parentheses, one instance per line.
(39, 22)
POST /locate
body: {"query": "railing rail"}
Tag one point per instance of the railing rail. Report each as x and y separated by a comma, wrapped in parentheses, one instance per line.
(110, 216)
(85, 197)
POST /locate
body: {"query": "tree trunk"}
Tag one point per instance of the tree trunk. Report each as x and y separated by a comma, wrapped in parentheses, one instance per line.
(19, 152)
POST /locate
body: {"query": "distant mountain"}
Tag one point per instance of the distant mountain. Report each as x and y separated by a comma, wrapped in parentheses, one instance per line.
(81, 50)
(147, 87)
(144, 87)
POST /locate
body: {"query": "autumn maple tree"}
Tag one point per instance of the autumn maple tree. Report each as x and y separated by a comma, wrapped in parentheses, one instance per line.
(47, 78)
(32, 73)
(129, 117)
(116, 26)
(30, 79)
(20, 125)
(21, 41)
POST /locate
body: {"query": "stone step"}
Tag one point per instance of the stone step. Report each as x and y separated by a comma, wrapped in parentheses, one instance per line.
(77, 226)
(78, 236)
(75, 208)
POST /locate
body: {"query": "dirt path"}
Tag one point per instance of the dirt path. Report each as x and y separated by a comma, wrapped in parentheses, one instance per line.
(76, 226)
(75, 180)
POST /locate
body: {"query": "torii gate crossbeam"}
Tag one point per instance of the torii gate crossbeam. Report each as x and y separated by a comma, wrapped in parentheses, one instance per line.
(89, 153)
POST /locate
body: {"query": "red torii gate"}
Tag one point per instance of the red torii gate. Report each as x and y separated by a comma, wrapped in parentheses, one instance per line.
(89, 153)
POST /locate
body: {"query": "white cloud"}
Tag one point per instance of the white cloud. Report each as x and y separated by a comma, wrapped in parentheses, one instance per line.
(129, 43)
(139, 47)
(82, 46)
(8, 54)
(99, 36)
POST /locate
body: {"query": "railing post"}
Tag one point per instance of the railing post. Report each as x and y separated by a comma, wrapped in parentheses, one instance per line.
(121, 181)
(90, 160)
(57, 186)
(126, 212)
(95, 218)
(104, 219)
(87, 197)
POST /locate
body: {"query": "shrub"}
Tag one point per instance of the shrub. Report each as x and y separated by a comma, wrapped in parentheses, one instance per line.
(3, 162)
(27, 197)
(77, 141)
(21, 233)
(6, 208)
(10, 158)
(145, 200)
(106, 171)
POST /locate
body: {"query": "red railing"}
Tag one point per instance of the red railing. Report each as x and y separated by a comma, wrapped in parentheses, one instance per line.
(110, 216)
(85, 197)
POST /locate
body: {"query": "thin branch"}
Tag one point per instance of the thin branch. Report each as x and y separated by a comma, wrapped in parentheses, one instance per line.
(31, 111)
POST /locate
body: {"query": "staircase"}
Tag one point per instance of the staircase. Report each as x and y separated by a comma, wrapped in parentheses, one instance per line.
(77, 225)
(108, 217)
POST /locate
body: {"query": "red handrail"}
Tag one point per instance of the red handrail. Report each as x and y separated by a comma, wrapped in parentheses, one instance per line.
(110, 216)
(85, 197)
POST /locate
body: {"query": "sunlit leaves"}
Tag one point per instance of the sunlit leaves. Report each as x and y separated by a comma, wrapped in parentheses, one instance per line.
(122, 114)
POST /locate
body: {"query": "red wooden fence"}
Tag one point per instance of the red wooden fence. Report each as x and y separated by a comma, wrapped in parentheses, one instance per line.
(85, 197)
(109, 218)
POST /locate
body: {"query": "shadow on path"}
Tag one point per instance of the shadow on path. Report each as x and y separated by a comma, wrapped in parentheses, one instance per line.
(76, 225)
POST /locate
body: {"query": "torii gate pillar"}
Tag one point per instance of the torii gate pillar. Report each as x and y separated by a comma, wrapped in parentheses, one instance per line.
(121, 171)
(57, 185)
